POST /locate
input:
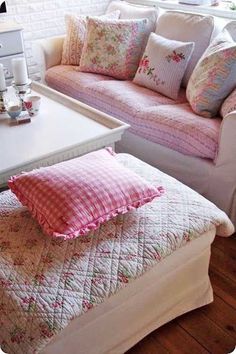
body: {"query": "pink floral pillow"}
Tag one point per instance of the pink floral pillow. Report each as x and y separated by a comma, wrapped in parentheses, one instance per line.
(229, 104)
(75, 36)
(114, 48)
(163, 65)
(74, 197)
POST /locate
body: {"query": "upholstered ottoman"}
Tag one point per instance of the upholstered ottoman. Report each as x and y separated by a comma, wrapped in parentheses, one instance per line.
(104, 292)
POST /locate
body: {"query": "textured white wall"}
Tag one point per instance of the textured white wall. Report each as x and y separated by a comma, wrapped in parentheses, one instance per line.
(45, 18)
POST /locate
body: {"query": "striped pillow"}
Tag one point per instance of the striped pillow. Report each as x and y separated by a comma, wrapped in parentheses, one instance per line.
(214, 77)
(163, 65)
(74, 197)
(76, 27)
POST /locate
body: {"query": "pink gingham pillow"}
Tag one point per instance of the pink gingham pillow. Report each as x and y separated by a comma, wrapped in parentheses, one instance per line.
(74, 197)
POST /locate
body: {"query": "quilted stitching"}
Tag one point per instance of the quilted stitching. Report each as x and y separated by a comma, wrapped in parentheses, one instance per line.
(45, 283)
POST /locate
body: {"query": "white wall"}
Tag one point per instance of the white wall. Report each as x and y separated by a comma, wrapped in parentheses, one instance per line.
(45, 18)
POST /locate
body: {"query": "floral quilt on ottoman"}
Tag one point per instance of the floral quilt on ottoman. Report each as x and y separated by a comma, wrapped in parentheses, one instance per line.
(45, 283)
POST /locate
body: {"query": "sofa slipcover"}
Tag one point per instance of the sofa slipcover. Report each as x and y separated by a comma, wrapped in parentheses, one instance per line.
(151, 115)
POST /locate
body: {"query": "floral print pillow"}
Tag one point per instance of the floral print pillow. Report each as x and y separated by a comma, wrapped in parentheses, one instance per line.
(214, 77)
(75, 36)
(114, 47)
(163, 65)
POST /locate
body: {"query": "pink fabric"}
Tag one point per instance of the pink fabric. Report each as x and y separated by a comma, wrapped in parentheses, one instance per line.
(229, 104)
(74, 197)
(68, 80)
(151, 115)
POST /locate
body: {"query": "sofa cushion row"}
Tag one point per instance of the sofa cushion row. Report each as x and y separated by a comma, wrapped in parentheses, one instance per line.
(151, 115)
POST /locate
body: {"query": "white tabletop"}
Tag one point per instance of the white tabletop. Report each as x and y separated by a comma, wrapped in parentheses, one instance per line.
(57, 128)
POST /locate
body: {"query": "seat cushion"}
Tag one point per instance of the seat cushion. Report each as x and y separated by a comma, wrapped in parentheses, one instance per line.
(151, 115)
(68, 80)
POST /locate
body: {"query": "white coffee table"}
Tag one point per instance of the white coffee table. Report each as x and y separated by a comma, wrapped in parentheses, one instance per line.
(63, 129)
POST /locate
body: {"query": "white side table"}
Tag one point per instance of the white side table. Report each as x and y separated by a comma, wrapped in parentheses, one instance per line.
(11, 46)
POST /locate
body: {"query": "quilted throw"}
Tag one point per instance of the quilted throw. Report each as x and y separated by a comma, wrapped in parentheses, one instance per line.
(45, 283)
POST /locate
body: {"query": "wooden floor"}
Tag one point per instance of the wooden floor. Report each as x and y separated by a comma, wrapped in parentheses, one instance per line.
(210, 329)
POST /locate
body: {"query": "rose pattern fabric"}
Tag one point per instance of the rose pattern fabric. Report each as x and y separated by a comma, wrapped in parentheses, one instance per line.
(163, 65)
(57, 280)
(177, 57)
(214, 77)
(144, 68)
(75, 36)
(114, 48)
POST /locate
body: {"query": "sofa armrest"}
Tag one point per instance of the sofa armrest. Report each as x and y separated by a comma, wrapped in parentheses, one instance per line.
(47, 53)
(227, 142)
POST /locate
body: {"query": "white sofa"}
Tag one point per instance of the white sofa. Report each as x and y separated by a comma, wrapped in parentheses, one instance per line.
(213, 178)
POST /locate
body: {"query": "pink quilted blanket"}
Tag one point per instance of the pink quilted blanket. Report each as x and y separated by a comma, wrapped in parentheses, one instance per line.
(45, 283)
(151, 115)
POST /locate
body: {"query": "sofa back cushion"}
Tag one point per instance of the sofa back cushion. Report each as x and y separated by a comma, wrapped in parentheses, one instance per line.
(231, 28)
(131, 11)
(114, 47)
(187, 27)
(214, 77)
(163, 65)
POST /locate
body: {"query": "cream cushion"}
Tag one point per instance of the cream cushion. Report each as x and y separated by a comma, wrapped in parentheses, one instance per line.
(187, 27)
(130, 11)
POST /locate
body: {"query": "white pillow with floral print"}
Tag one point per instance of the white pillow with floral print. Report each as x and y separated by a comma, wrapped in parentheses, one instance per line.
(75, 37)
(163, 65)
(114, 47)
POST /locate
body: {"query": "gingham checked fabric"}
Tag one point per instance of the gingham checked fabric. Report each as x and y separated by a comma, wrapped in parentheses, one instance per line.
(74, 197)
(46, 282)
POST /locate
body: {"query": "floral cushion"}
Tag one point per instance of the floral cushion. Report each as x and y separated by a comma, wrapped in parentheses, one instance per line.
(214, 77)
(163, 65)
(74, 197)
(114, 47)
(75, 37)
(229, 104)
